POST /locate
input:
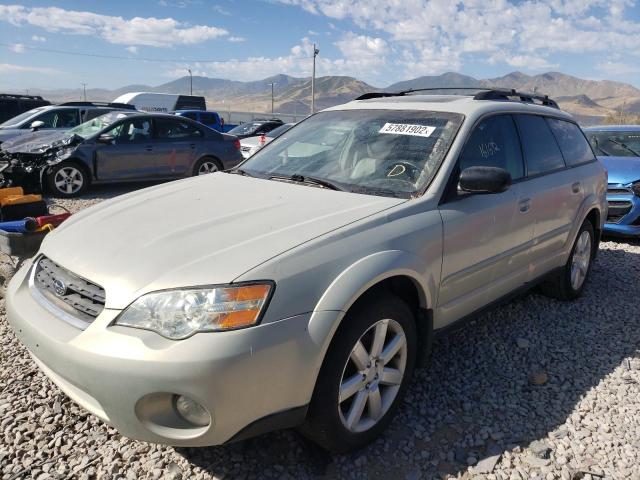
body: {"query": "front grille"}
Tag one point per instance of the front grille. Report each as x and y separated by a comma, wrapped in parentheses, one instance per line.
(618, 209)
(66, 290)
(618, 190)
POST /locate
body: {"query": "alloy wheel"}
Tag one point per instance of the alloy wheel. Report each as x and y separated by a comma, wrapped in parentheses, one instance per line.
(580, 260)
(372, 375)
(69, 180)
(207, 167)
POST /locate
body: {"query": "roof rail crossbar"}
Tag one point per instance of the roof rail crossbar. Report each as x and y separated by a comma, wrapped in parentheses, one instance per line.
(20, 96)
(507, 95)
(124, 106)
(483, 94)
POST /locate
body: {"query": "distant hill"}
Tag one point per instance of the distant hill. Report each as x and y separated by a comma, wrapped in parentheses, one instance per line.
(589, 100)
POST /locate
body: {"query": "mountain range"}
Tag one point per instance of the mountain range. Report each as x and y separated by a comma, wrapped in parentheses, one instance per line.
(591, 101)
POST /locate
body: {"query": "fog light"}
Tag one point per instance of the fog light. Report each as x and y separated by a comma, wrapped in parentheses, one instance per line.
(191, 411)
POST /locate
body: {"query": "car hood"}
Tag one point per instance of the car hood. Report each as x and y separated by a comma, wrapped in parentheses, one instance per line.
(200, 231)
(622, 170)
(35, 142)
(7, 134)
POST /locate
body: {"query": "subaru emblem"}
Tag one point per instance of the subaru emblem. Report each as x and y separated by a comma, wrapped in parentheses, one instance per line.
(59, 287)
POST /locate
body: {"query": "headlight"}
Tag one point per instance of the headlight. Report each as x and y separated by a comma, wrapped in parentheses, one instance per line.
(178, 314)
(636, 188)
(64, 153)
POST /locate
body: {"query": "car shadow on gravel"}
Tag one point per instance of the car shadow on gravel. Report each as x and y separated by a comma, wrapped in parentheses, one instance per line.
(476, 398)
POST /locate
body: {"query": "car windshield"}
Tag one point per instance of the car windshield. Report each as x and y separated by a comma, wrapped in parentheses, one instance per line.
(615, 144)
(380, 152)
(93, 126)
(245, 128)
(17, 120)
(276, 132)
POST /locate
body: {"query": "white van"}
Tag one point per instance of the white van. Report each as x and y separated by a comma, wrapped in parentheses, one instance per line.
(162, 102)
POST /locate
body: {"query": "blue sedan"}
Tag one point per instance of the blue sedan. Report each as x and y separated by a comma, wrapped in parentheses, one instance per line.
(618, 147)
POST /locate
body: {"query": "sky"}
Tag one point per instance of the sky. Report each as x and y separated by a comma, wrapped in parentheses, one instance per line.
(62, 44)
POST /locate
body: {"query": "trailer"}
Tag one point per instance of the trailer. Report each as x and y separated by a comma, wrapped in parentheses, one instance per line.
(162, 102)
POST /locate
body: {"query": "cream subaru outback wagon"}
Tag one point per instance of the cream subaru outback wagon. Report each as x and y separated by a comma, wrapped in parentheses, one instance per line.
(301, 288)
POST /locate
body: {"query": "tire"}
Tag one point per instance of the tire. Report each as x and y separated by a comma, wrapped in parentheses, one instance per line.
(6, 273)
(207, 165)
(67, 180)
(570, 282)
(334, 424)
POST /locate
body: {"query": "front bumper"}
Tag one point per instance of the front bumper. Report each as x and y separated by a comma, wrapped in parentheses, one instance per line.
(126, 376)
(624, 215)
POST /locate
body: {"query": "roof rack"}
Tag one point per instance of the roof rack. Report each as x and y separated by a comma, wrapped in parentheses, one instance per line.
(483, 94)
(124, 106)
(20, 96)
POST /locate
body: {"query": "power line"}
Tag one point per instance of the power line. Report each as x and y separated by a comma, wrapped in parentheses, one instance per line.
(118, 57)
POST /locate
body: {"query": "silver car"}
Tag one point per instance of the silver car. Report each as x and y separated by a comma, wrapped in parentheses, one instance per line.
(302, 287)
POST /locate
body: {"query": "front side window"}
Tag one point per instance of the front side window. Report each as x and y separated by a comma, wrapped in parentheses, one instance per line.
(67, 118)
(169, 129)
(494, 143)
(541, 151)
(380, 152)
(91, 127)
(132, 131)
(615, 144)
(209, 118)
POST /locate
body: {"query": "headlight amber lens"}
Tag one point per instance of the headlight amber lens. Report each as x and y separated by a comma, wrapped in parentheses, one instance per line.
(178, 314)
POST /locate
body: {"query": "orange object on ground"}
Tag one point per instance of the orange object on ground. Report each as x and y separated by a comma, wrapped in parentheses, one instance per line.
(19, 199)
(10, 191)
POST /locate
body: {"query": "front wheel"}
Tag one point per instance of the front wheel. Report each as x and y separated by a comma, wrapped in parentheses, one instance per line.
(207, 165)
(570, 282)
(67, 180)
(364, 375)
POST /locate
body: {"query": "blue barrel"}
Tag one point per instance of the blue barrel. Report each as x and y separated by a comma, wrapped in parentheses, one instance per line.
(27, 225)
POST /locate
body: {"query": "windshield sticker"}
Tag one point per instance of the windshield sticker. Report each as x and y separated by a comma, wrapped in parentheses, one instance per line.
(407, 129)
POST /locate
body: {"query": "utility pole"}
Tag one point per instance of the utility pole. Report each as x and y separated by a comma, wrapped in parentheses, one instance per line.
(190, 80)
(84, 91)
(272, 84)
(313, 80)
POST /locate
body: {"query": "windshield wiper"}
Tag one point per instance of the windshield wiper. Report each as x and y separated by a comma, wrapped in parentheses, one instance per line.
(297, 178)
(379, 191)
(239, 171)
(628, 149)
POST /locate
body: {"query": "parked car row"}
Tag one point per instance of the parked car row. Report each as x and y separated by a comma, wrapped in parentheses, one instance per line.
(319, 271)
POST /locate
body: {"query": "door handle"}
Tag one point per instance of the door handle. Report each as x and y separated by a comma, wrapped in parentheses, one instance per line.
(575, 188)
(524, 205)
(148, 148)
(193, 145)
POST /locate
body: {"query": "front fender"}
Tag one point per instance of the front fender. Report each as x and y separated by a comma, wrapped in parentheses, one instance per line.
(355, 280)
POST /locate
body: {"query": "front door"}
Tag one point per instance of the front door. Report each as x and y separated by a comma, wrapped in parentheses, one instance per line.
(486, 237)
(131, 155)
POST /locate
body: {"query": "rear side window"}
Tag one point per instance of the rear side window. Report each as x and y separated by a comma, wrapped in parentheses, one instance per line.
(574, 145)
(541, 151)
(494, 143)
(209, 118)
(175, 130)
(190, 115)
(95, 112)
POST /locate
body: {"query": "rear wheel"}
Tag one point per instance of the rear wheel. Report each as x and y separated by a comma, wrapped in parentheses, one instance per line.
(364, 375)
(570, 282)
(67, 179)
(207, 165)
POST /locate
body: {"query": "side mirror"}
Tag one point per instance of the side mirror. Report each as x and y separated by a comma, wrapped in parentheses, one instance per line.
(106, 139)
(484, 180)
(36, 125)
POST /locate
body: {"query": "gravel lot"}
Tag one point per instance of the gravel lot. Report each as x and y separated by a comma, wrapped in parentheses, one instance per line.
(535, 389)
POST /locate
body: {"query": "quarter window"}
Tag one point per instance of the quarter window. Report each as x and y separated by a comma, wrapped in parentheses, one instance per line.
(541, 151)
(574, 145)
(494, 143)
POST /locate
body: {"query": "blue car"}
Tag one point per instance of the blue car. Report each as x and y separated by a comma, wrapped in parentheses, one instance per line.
(210, 119)
(618, 147)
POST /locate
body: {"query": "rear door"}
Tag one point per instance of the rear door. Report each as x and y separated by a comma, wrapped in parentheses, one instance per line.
(486, 237)
(131, 156)
(175, 144)
(552, 190)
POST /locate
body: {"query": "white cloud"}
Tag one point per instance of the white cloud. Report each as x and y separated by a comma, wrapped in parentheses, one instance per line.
(17, 48)
(613, 68)
(432, 36)
(37, 38)
(156, 32)
(132, 49)
(11, 68)
(234, 39)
